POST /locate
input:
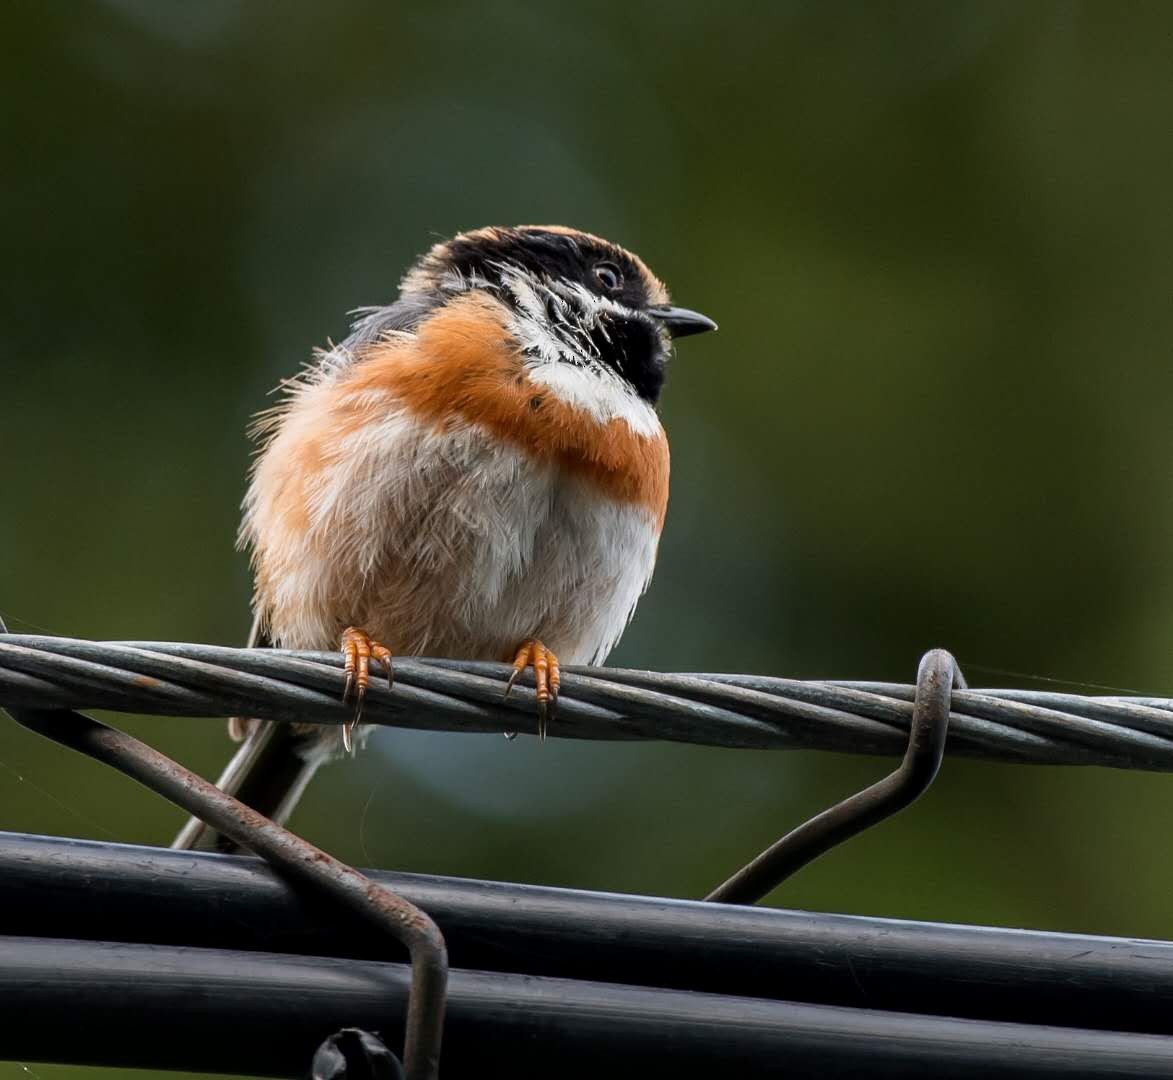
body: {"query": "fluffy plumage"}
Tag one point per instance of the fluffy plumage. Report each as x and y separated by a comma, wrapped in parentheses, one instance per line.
(422, 494)
(479, 463)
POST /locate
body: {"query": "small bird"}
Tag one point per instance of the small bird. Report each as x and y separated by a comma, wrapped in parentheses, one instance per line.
(478, 471)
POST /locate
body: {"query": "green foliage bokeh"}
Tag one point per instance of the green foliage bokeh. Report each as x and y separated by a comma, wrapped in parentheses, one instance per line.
(939, 241)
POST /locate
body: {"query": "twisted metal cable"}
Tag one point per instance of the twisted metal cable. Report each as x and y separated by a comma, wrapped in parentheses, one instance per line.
(749, 711)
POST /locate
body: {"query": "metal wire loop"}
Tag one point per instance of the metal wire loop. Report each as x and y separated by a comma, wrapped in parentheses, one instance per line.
(937, 677)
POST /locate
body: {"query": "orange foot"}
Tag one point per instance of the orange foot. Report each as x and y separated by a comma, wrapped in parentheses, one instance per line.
(357, 650)
(547, 678)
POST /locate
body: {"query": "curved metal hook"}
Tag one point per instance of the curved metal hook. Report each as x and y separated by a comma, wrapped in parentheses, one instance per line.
(937, 677)
(287, 853)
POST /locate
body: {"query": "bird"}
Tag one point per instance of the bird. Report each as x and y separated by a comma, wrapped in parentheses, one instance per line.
(478, 471)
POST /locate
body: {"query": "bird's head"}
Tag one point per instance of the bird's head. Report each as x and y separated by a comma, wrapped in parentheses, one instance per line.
(572, 298)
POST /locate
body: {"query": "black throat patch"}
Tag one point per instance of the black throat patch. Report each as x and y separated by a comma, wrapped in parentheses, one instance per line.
(560, 272)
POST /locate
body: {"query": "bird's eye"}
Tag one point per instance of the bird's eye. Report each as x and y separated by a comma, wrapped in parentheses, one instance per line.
(609, 276)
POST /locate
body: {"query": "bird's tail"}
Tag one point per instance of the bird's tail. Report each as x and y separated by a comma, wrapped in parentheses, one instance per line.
(269, 773)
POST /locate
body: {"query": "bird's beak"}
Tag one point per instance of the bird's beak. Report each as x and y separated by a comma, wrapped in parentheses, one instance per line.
(681, 322)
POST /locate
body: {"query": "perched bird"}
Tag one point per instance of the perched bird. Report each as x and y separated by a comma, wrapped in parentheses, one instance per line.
(478, 471)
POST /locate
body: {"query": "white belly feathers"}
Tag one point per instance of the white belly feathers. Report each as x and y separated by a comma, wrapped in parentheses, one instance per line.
(446, 543)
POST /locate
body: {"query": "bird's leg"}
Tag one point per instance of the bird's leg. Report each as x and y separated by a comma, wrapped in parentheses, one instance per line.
(357, 650)
(547, 678)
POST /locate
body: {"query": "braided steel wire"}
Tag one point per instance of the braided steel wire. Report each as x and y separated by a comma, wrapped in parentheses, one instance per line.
(729, 710)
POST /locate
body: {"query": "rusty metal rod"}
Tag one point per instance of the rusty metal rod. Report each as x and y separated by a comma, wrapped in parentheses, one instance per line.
(290, 855)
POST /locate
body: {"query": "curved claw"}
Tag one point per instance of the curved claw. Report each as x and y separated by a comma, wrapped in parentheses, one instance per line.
(357, 651)
(547, 679)
(383, 655)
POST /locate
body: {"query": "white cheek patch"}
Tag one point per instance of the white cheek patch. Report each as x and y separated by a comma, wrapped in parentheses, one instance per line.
(551, 325)
(597, 392)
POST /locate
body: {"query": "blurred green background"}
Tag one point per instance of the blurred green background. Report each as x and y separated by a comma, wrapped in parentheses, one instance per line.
(939, 241)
